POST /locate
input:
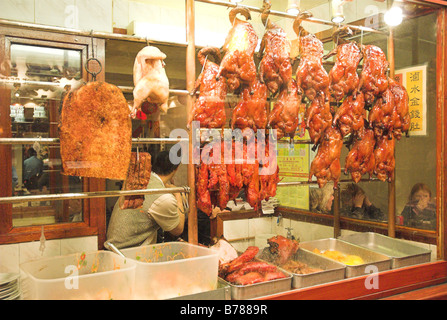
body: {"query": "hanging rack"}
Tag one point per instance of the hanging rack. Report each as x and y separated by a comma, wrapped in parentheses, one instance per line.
(292, 16)
(56, 141)
(190, 45)
(90, 195)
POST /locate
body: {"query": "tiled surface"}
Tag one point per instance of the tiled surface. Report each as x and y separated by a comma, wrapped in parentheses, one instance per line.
(95, 15)
(20, 10)
(120, 13)
(56, 13)
(12, 255)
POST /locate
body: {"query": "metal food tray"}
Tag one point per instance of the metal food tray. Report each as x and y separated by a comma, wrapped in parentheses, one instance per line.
(250, 291)
(223, 292)
(371, 258)
(402, 253)
(332, 270)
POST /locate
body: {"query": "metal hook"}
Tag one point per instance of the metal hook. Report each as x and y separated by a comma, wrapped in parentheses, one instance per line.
(93, 74)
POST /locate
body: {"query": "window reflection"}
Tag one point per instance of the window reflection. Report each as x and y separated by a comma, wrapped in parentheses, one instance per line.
(40, 77)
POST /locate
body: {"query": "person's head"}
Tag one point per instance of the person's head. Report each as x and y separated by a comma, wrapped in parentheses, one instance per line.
(348, 194)
(163, 166)
(31, 152)
(321, 199)
(420, 191)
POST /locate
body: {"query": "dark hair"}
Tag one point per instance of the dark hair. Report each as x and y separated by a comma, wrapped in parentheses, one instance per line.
(32, 152)
(417, 187)
(162, 165)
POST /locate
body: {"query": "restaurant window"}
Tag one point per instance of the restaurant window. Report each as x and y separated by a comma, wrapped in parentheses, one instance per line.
(43, 75)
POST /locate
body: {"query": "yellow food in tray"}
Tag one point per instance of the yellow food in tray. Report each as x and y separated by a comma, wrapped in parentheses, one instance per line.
(348, 259)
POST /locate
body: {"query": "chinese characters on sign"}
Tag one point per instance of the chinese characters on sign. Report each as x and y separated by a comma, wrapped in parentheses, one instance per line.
(414, 80)
(293, 161)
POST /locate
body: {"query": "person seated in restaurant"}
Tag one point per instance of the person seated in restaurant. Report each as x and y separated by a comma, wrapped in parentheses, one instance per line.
(136, 227)
(321, 199)
(420, 211)
(356, 204)
(32, 170)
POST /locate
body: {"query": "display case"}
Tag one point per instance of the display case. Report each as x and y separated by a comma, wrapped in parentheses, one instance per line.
(92, 195)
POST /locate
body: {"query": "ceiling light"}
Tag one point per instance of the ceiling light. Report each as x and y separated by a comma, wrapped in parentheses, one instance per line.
(293, 7)
(394, 16)
(337, 11)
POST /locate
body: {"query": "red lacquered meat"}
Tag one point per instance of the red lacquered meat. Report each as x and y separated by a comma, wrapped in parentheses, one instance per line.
(249, 278)
(274, 275)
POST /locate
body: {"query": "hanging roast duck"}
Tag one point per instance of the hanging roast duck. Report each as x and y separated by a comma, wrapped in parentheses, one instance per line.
(275, 68)
(238, 65)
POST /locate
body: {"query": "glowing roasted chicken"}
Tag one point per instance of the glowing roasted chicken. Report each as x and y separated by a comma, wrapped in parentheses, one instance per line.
(209, 107)
(285, 114)
(311, 76)
(150, 80)
(401, 116)
(238, 64)
(384, 158)
(343, 77)
(373, 78)
(381, 117)
(318, 118)
(360, 159)
(275, 68)
(326, 165)
(351, 114)
(251, 110)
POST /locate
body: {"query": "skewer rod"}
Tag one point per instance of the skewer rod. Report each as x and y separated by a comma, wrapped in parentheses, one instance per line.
(90, 195)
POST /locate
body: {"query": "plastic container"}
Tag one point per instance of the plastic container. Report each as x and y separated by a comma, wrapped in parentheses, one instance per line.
(99, 275)
(173, 269)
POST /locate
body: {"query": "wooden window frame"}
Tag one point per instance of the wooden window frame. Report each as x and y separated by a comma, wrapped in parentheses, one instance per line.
(94, 221)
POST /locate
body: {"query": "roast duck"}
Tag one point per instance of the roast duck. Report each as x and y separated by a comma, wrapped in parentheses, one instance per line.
(401, 115)
(95, 132)
(312, 79)
(246, 270)
(218, 183)
(275, 68)
(373, 77)
(286, 112)
(326, 164)
(343, 76)
(318, 118)
(252, 109)
(150, 81)
(350, 116)
(238, 65)
(384, 158)
(389, 114)
(360, 159)
(209, 107)
(138, 177)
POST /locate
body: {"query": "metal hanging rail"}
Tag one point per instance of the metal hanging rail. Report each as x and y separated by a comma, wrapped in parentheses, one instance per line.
(90, 195)
(56, 141)
(306, 182)
(292, 16)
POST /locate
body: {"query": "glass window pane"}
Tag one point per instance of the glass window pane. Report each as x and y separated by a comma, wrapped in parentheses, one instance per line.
(40, 77)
